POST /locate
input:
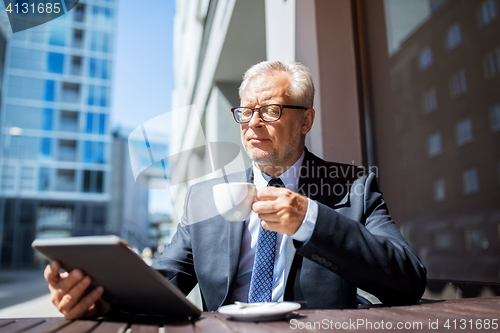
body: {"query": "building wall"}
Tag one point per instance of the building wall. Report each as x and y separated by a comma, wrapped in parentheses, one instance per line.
(55, 137)
(455, 229)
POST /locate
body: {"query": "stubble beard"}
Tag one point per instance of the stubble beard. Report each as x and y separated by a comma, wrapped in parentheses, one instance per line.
(275, 158)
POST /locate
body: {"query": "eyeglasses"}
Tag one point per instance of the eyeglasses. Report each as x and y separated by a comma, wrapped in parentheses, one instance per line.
(268, 113)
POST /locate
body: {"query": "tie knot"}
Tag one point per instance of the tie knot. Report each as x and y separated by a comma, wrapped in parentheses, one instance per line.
(276, 182)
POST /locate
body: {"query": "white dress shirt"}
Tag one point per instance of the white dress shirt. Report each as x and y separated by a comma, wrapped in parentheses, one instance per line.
(290, 179)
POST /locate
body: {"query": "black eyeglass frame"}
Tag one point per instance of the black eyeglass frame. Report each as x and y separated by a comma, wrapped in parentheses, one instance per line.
(281, 106)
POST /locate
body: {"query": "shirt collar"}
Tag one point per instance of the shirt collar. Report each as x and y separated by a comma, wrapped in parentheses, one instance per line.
(290, 178)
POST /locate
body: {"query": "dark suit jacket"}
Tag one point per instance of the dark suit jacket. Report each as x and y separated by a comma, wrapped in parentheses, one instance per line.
(354, 244)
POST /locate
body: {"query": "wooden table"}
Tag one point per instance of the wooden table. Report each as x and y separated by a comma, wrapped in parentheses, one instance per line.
(465, 315)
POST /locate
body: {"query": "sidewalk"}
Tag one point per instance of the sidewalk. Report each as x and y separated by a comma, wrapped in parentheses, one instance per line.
(24, 293)
(38, 307)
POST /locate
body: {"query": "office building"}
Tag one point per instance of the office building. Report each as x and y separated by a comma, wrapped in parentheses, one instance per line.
(55, 136)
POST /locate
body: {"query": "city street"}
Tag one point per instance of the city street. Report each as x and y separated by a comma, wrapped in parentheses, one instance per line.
(24, 293)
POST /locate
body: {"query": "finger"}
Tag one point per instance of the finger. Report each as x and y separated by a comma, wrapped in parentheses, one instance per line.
(271, 226)
(70, 298)
(270, 193)
(85, 304)
(51, 273)
(265, 207)
(69, 281)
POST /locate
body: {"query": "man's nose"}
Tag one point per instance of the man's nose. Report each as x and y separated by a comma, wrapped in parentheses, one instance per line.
(255, 120)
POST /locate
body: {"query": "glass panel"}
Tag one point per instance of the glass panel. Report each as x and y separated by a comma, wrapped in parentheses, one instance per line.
(78, 38)
(47, 119)
(90, 123)
(43, 179)
(55, 62)
(49, 90)
(435, 82)
(65, 180)
(45, 147)
(102, 123)
(76, 65)
(70, 92)
(69, 121)
(57, 35)
(86, 180)
(67, 150)
(80, 13)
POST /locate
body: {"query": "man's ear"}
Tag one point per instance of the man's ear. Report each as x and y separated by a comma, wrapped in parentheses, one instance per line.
(308, 121)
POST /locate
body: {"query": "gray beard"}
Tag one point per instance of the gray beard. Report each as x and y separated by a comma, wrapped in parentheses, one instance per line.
(272, 158)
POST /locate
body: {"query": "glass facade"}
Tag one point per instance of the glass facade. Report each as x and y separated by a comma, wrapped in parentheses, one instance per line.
(54, 114)
(436, 127)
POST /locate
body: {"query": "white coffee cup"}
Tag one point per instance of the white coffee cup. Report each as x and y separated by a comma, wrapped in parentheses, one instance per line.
(234, 200)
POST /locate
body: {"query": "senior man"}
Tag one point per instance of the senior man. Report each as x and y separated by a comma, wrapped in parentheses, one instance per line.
(318, 231)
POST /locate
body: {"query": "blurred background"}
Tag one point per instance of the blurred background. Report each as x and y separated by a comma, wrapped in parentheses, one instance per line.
(407, 88)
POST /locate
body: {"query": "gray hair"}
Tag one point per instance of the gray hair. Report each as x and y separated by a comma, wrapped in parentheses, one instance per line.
(301, 87)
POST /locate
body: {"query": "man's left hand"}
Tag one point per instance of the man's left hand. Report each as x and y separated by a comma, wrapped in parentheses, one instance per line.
(280, 209)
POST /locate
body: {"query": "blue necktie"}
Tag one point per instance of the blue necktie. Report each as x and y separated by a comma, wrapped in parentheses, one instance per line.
(261, 283)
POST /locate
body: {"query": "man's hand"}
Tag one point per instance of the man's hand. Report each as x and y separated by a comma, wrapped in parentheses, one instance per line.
(70, 295)
(280, 209)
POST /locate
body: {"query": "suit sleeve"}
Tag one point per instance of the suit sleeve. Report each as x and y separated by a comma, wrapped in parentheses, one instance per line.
(176, 262)
(372, 254)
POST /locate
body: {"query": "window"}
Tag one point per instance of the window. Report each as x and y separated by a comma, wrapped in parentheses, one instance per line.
(460, 49)
(70, 92)
(495, 118)
(65, 180)
(49, 90)
(471, 181)
(491, 63)
(439, 190)
(487, 12)
(98, 68)
(8, 177)
(80, 13)
(425, 58)
(43, 179)
(102, 123)
(76, 65)
(68, 121)
(99, 42)
(78, 38)
(458, 85)
(453, 37)
(464, 132)
(57, 35)
(67, 150)
(429, 101)
(27, 178)
(92, 181)
(93, 152)
(434, 145)
(45, 147)
(443, 240)
(98, 95)
(96, 123)
(476, 239)
(101, 16)
(28, 59)
(47, 119)
(55, 62)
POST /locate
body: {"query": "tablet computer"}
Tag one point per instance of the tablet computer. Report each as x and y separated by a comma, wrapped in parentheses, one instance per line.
(129, 283)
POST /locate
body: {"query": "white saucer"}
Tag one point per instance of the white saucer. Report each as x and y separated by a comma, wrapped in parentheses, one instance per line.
(264, 312)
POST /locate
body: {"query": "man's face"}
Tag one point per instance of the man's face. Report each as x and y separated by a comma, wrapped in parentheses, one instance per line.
(278, 143)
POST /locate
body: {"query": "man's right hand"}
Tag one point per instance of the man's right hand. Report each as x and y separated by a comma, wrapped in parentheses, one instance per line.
(69, 293)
